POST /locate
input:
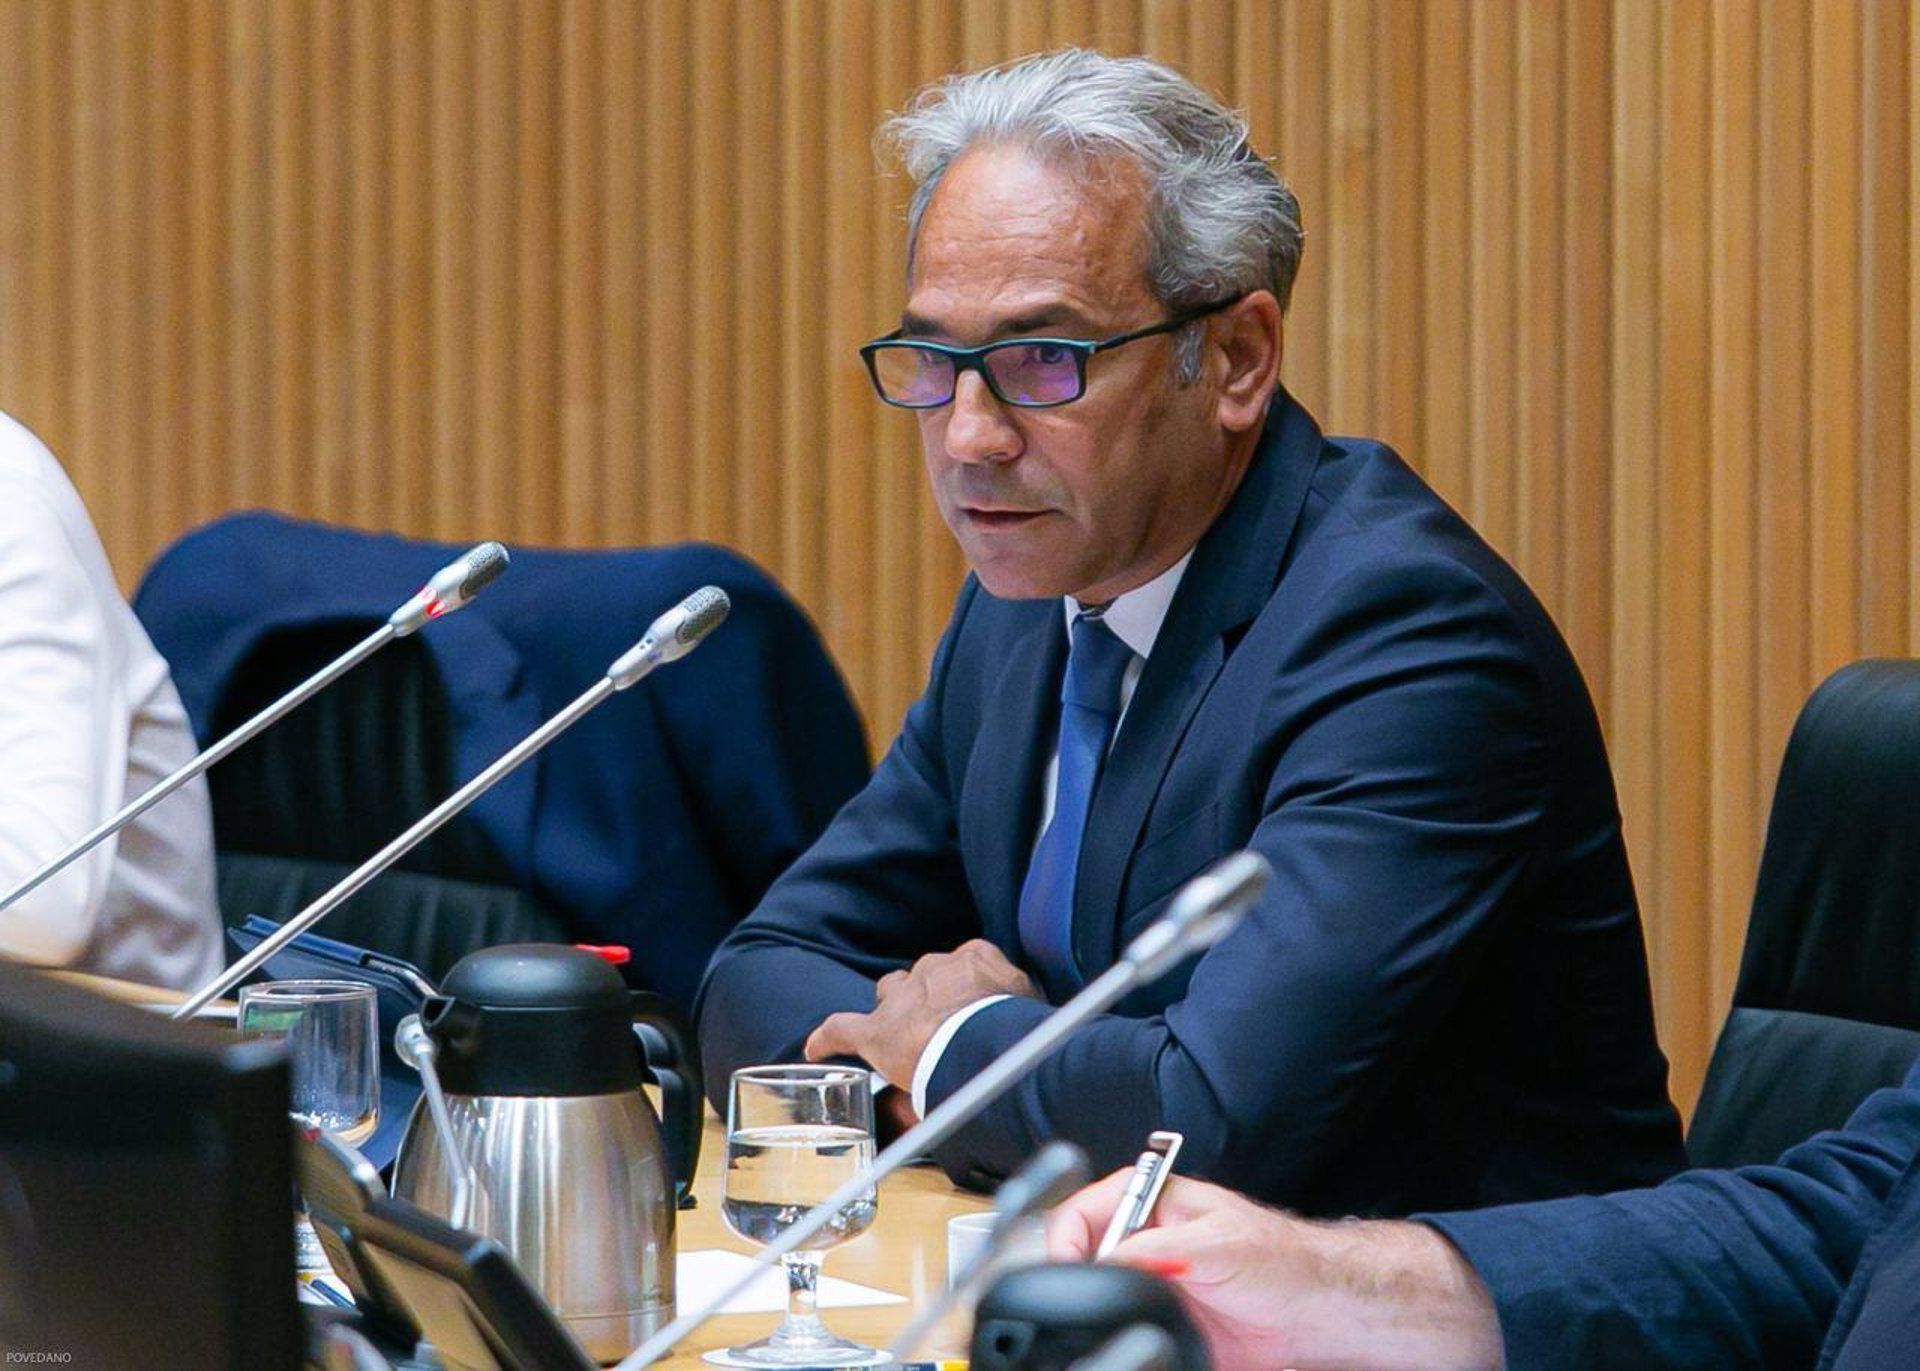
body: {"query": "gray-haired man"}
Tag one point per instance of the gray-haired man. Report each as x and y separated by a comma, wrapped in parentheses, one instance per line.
(1196, 625)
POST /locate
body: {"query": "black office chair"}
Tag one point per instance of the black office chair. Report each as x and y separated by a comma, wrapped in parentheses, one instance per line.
(1827, 1007)
(371, 755)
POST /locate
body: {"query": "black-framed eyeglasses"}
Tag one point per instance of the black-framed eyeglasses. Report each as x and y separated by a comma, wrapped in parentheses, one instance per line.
(1033, 373)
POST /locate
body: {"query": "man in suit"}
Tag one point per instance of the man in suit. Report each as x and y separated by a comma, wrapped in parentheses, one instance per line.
(1194, 625)
(1812, 1261)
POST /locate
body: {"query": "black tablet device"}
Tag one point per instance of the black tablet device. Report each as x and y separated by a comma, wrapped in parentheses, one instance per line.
(145, 1188)
(339, 1185)
(464, 1292)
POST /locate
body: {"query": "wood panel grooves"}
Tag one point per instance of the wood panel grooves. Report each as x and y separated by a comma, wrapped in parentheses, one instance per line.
(1636, 286)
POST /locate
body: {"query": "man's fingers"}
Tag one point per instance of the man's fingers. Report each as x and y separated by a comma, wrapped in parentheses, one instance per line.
(1177, 1253)
(1080, 1221)
(983, 950)
(886, 985)
(1077, 1224)
(835, 1037)
(1185, 1198)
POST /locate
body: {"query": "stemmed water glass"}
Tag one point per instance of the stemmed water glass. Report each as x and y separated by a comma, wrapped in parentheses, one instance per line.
(795, 1134)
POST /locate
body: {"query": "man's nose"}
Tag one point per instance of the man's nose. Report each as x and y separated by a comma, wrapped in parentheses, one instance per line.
(978, 429)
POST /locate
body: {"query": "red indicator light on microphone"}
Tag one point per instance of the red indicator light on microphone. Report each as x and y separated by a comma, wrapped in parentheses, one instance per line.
(614, 955)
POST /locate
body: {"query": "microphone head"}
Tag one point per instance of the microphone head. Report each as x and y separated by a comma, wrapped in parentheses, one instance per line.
(1048, 1318)
(1138, 1347)
(476, 568)
(1202, 913)
(672, 636)
(412, 1043)
(451, 587)
(703, 612)
(1053, 1173)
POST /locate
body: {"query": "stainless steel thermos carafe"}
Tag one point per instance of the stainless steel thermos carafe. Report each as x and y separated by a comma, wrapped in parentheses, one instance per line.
(541, 1051)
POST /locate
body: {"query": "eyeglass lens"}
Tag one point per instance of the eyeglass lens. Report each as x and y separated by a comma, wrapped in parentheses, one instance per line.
(1036, 373)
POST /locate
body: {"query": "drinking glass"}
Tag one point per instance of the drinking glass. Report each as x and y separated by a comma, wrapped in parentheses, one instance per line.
(333, 1052)
(795, 1134)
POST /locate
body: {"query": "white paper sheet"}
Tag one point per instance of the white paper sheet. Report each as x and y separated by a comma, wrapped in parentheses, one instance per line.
(699, 1276)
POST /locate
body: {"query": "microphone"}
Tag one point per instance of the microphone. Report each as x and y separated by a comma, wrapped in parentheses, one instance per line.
(1084, 1316)
(686, 625)
(450, 588)
(419, 1051)
(1055, 1172)
(672, 636)
(1138, 1347)
(1200, 915)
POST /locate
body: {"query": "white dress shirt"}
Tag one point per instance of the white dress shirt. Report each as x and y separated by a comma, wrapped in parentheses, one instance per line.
(1135, 618)
(89, 718)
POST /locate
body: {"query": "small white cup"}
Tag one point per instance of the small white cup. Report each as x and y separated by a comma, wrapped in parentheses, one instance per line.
(967, 1235)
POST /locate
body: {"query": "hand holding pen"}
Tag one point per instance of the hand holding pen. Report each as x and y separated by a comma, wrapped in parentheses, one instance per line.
(1149, 1178)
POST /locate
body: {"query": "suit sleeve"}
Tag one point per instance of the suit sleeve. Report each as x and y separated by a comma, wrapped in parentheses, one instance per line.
(881, 887)
(1406, 797)
(1712, 1271)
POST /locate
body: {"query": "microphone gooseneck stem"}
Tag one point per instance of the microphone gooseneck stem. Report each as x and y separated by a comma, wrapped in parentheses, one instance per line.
(1053, 1173)
(134, 808)
(386, 856)
(419, 1051)
(964, 1290)
(936, 1128)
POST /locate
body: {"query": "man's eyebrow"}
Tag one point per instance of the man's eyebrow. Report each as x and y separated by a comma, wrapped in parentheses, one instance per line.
(1033, 321)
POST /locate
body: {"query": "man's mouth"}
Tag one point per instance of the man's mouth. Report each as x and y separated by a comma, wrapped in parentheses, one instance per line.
(1000, 518)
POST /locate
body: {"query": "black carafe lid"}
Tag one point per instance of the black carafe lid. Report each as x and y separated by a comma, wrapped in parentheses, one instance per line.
(534, 1019)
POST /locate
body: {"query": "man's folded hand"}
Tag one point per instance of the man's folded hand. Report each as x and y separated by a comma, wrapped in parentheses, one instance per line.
(909, 1007)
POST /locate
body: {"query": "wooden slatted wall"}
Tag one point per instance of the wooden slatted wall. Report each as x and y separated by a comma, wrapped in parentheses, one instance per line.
(1633, 282)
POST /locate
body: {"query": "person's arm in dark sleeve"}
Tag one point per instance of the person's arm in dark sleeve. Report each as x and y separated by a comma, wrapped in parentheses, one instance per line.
(1712, 1271)
(882, 886)
(1406, 800)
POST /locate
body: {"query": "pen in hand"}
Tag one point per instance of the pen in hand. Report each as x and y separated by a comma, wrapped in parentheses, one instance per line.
(1149, 1178)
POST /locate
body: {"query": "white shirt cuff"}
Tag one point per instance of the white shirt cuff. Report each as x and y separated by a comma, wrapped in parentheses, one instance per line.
(937, 1044)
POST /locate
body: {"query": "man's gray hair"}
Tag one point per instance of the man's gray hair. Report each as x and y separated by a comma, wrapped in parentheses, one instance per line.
(1220, 223)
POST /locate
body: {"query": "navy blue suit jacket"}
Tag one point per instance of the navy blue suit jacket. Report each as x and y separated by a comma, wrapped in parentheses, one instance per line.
(1801, 1263)
(1444, 992)
(659, 819)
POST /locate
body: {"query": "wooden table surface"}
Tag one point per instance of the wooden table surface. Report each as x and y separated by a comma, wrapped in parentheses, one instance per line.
(905, 1253)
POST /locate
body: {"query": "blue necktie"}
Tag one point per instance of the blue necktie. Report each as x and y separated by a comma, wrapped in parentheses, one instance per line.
(1089, 707)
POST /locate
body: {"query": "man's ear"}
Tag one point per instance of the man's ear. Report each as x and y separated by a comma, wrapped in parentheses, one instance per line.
(1245, 343)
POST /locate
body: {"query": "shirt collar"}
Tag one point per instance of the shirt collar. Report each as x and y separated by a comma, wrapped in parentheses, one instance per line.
(1136, 616)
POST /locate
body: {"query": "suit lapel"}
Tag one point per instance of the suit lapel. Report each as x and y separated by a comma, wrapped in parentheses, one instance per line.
(1232, 576)
(1000, 798)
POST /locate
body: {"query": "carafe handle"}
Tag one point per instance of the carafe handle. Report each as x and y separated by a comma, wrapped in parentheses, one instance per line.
(672, 1058)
